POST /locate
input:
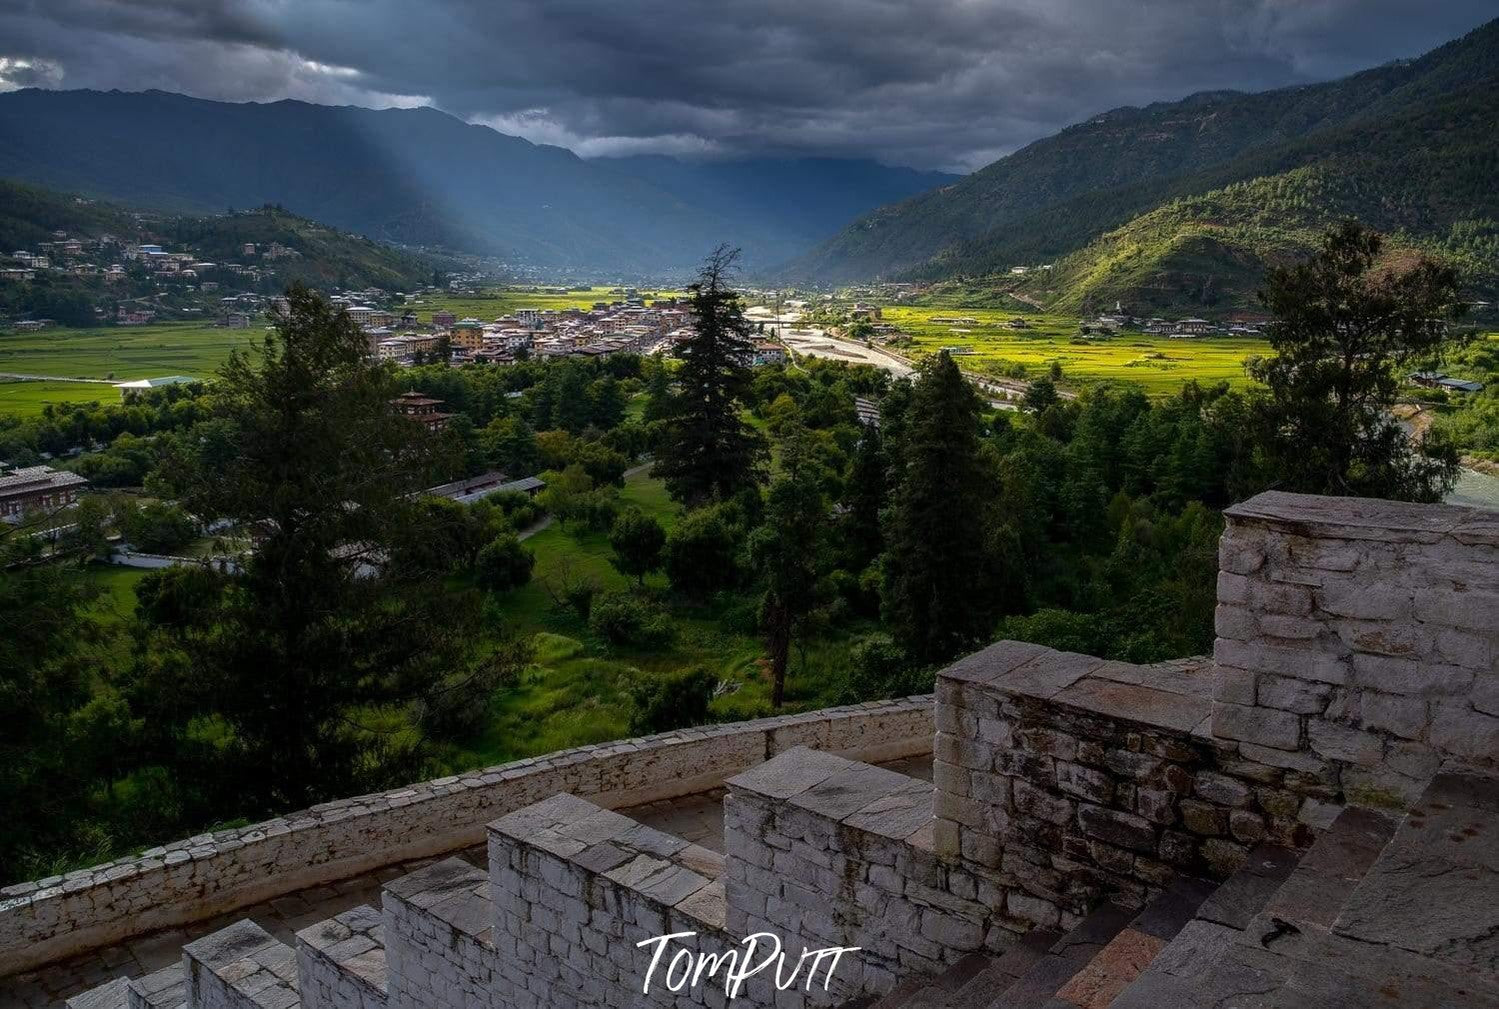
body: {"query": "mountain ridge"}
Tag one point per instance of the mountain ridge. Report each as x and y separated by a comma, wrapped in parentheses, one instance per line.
(1057, 194)
(412, 176)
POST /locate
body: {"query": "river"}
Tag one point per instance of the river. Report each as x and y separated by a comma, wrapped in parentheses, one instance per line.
(1477, 489)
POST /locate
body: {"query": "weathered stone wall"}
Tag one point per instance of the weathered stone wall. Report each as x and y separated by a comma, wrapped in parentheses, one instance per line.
(203, 876)
(341, 962)
(240, 967)
(575, 888)
(829, 852)
(1358, 640)
(438, 925)
(1075, 779)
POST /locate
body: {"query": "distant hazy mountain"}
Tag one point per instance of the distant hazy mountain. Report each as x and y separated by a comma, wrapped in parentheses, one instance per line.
(1408, 146)
(804, 198)
(422, 177)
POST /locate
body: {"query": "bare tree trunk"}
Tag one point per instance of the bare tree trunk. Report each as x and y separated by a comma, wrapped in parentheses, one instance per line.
(780, 653)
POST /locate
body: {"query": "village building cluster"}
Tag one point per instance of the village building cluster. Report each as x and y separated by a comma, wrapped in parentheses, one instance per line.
(632, 323)
(1245, 324)
(112, 260)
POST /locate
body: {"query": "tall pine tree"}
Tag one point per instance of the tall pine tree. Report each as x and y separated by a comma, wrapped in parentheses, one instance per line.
(942, 586)
(865, 495)
(313, 658)
(784, 551)
(708, 453)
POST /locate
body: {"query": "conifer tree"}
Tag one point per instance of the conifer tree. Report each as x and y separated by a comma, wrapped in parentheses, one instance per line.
(708, 453)
(942, 587)
(784, 550)
(865, 495)
(318, 647)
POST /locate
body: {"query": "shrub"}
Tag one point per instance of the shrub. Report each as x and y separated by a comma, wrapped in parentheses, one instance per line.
(622, 619)
(503, 564)
(702, 552)
(666, 701)
(878, 668)
(159, 528)
(1063, 630)
(518, 508)
(599, 508)
(637, 540)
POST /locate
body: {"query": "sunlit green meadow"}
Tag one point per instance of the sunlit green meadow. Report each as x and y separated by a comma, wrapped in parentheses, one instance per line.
(1158, 363)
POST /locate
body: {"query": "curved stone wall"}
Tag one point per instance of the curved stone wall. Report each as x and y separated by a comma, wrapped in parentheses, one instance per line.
(203, 876)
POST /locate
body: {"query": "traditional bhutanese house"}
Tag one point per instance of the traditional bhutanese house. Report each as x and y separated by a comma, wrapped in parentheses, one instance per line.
(423, 409)
(37, 489)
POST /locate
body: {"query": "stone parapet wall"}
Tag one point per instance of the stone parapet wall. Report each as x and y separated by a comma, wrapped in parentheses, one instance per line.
(210, 874)
(576, 888)
(1076, 779)
(1358, 640)
(828, 852)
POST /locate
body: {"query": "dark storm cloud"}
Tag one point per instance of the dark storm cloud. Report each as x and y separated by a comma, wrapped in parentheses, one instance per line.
(939, 83)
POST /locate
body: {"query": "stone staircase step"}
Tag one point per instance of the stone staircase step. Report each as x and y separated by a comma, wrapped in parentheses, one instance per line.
(893, 999)
(162, 989)
(1130, 952)
(1005, 969)
(1069, 954)
(1244, 894)
(1219, 957)
(1200, 943)
(972, 981)
(1415, 925)
(1330, 870)
(241, 967)
(341, 962)
(1434, 890)
(109, 995)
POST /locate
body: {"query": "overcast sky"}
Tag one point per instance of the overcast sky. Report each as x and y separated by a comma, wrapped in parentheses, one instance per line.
(932, 83)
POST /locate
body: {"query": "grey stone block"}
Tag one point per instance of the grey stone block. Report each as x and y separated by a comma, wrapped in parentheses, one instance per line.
(1279, 730)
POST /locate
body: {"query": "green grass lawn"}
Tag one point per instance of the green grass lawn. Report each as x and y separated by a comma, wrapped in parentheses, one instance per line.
(116, 602)
(122, 352)
(28, 399)
(577, 690)
(1158, 363)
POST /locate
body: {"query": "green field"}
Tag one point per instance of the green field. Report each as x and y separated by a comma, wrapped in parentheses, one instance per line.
(27, 399)
(122, 352)
(1158, 363)
(189, 348)
(501, 301)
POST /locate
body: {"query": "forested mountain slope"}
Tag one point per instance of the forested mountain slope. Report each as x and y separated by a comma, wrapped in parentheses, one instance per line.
(325, 256)
(1062, 192)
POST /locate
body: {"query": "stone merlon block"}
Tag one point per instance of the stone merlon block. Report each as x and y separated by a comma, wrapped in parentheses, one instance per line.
(862, 796)
(1348, 518)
